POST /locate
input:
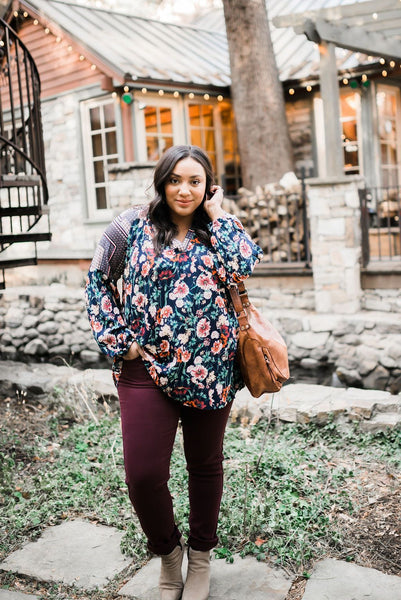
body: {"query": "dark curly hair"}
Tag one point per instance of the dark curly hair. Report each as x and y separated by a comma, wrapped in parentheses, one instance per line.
(159, 213)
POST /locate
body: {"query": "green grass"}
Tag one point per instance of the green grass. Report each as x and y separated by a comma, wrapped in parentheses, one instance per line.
(283, 487)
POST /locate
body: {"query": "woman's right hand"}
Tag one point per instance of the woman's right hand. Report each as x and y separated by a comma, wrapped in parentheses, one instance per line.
(134, 352)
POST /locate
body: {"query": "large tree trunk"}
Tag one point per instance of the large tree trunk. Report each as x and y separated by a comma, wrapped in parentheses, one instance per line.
(263, 138)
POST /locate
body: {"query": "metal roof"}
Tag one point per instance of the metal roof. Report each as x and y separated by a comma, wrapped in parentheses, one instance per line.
(195, 55)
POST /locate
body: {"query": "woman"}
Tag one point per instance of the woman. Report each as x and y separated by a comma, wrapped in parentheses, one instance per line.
(173, 339)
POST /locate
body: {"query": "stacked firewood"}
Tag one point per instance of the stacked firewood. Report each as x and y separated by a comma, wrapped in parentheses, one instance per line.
(273, 216)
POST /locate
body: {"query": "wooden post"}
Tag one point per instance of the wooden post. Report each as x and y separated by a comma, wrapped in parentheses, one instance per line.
(331, 108)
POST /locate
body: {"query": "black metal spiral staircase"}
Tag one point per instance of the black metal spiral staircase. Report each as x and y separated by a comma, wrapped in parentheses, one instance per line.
(23, 188)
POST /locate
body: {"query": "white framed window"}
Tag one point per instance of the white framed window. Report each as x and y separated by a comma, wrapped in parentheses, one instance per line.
(389, 124)
(350, 115)
(158, 125)
(100, 118)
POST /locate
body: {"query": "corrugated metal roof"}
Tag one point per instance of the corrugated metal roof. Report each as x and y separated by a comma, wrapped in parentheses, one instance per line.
(197, 54)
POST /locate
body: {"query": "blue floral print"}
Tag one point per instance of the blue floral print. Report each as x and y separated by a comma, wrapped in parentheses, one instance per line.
(175, 305)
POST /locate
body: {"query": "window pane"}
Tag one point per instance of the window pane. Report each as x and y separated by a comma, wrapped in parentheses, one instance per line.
(150, 119)
(111, 142)
(207, 114)
(112, 161)
(109, 115)
(349, 130)
(166, 122)
(99, 171)
(97, 145)
(152, 148)
(194, 115)
(210, 147)
(196, 137)
(101, 201)
(165, 143)
(95, 118)
(350, 155)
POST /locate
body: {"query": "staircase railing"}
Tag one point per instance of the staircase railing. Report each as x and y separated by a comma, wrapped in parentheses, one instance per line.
(23, 187)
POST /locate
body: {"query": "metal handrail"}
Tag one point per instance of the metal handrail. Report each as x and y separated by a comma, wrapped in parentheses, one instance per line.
(21, 142)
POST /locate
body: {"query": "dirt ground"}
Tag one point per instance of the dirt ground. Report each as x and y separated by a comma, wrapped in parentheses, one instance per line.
(373, 534)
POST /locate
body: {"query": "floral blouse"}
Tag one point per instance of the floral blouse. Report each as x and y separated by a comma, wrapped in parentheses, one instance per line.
(175, 305)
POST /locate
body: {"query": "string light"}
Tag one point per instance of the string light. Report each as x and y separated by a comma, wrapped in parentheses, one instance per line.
(382, 61)
(93, 67)
(206, 96)
(126, 88)
(161, 92)
(47, 30)
(176, 94)
(308, 88)
(220, 98)
(291, 91)
(392, 64)
(25, 14)
(58, 39)
(114, 95)
(375, 16)
(191, 95)
(345, 81)
(69, 48)
(81, 57)
(384, 73)
(364, 77)
(144, 90)
(16, 13)
(35, 22)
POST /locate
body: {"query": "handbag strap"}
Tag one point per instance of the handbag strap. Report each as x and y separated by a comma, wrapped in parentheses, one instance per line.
(240, 300)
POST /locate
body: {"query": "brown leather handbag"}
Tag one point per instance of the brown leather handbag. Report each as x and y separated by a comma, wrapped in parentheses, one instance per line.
(262, 352)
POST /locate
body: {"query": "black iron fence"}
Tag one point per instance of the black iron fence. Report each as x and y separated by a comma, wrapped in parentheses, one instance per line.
(381, 224)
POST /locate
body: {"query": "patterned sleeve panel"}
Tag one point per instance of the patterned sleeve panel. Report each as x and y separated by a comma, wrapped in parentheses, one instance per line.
(235, 251)
(101, 294)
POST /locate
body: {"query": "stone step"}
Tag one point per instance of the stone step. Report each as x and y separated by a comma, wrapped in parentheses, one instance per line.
(382, 422)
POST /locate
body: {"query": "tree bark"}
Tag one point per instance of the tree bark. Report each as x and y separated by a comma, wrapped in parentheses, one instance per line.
(258, 99)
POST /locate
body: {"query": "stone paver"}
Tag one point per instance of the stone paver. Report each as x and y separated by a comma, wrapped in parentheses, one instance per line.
(339, 580)
(74, 553)
(245, 579)
(11, 595)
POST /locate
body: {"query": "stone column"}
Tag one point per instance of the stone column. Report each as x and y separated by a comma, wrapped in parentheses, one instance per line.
(335, 243)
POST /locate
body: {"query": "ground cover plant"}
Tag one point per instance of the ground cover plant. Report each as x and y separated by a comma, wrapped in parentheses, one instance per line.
(293, 493)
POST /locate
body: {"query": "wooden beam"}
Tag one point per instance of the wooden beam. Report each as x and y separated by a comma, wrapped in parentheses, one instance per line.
(331, 108)
(359, 40)
(336, 13)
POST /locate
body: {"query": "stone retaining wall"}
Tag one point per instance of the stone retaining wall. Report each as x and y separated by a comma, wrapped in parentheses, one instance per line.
(50, 324)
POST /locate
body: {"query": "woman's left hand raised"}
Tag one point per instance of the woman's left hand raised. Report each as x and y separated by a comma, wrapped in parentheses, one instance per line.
(213, 202)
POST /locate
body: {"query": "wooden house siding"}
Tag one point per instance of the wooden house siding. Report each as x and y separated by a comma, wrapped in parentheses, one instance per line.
(60, 70)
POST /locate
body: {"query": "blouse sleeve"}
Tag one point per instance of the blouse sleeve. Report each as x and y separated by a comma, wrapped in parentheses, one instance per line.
(236, 253)
(102, 298)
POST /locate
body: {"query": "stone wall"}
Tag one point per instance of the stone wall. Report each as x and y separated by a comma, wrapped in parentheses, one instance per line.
(50, 324)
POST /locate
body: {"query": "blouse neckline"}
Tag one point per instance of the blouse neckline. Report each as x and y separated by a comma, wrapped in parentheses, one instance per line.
(182, 246)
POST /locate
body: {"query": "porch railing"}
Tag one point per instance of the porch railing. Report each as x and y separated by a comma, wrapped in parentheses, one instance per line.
(381, 224)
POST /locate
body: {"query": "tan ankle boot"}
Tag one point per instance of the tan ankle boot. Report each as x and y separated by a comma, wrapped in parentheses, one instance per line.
(197, 583)
(170, 582)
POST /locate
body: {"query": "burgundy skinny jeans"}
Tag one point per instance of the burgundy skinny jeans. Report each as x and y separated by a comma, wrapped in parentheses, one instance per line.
(149, 421)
